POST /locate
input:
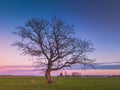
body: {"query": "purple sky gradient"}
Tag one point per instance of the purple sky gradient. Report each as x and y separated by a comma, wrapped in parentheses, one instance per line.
(95, 20)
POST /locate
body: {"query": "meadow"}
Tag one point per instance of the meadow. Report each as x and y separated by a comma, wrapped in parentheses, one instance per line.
(60, 83)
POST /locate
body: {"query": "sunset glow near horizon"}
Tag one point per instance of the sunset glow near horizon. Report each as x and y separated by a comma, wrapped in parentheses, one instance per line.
(98, 21)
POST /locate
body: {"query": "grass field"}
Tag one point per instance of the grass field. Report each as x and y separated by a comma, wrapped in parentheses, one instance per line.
(61, 83)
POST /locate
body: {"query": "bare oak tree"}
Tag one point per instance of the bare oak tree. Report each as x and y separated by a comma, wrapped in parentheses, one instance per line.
(53, 43)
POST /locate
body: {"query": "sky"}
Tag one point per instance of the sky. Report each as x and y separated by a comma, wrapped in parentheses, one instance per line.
(94, 20)
(29, 70)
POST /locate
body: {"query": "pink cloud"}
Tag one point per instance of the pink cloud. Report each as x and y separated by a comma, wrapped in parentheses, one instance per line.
(30, 70)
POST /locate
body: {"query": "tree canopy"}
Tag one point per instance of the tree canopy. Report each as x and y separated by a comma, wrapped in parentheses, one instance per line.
(53, 43)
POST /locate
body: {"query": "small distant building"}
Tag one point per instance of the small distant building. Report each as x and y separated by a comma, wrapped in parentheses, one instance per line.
(76, 74)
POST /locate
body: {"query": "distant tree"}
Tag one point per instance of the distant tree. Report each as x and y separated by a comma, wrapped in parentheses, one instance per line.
(61, 74)
(53, 43)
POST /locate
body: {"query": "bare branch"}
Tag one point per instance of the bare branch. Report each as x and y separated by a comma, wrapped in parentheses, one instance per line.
(54, 41)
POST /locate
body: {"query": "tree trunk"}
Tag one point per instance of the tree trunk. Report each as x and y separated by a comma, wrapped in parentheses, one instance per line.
(48, 76)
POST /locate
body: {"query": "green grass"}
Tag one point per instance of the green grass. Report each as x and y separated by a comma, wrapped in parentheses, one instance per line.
(60, 83)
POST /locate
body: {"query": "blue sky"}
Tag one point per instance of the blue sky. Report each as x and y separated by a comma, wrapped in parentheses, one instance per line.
(95, 20)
